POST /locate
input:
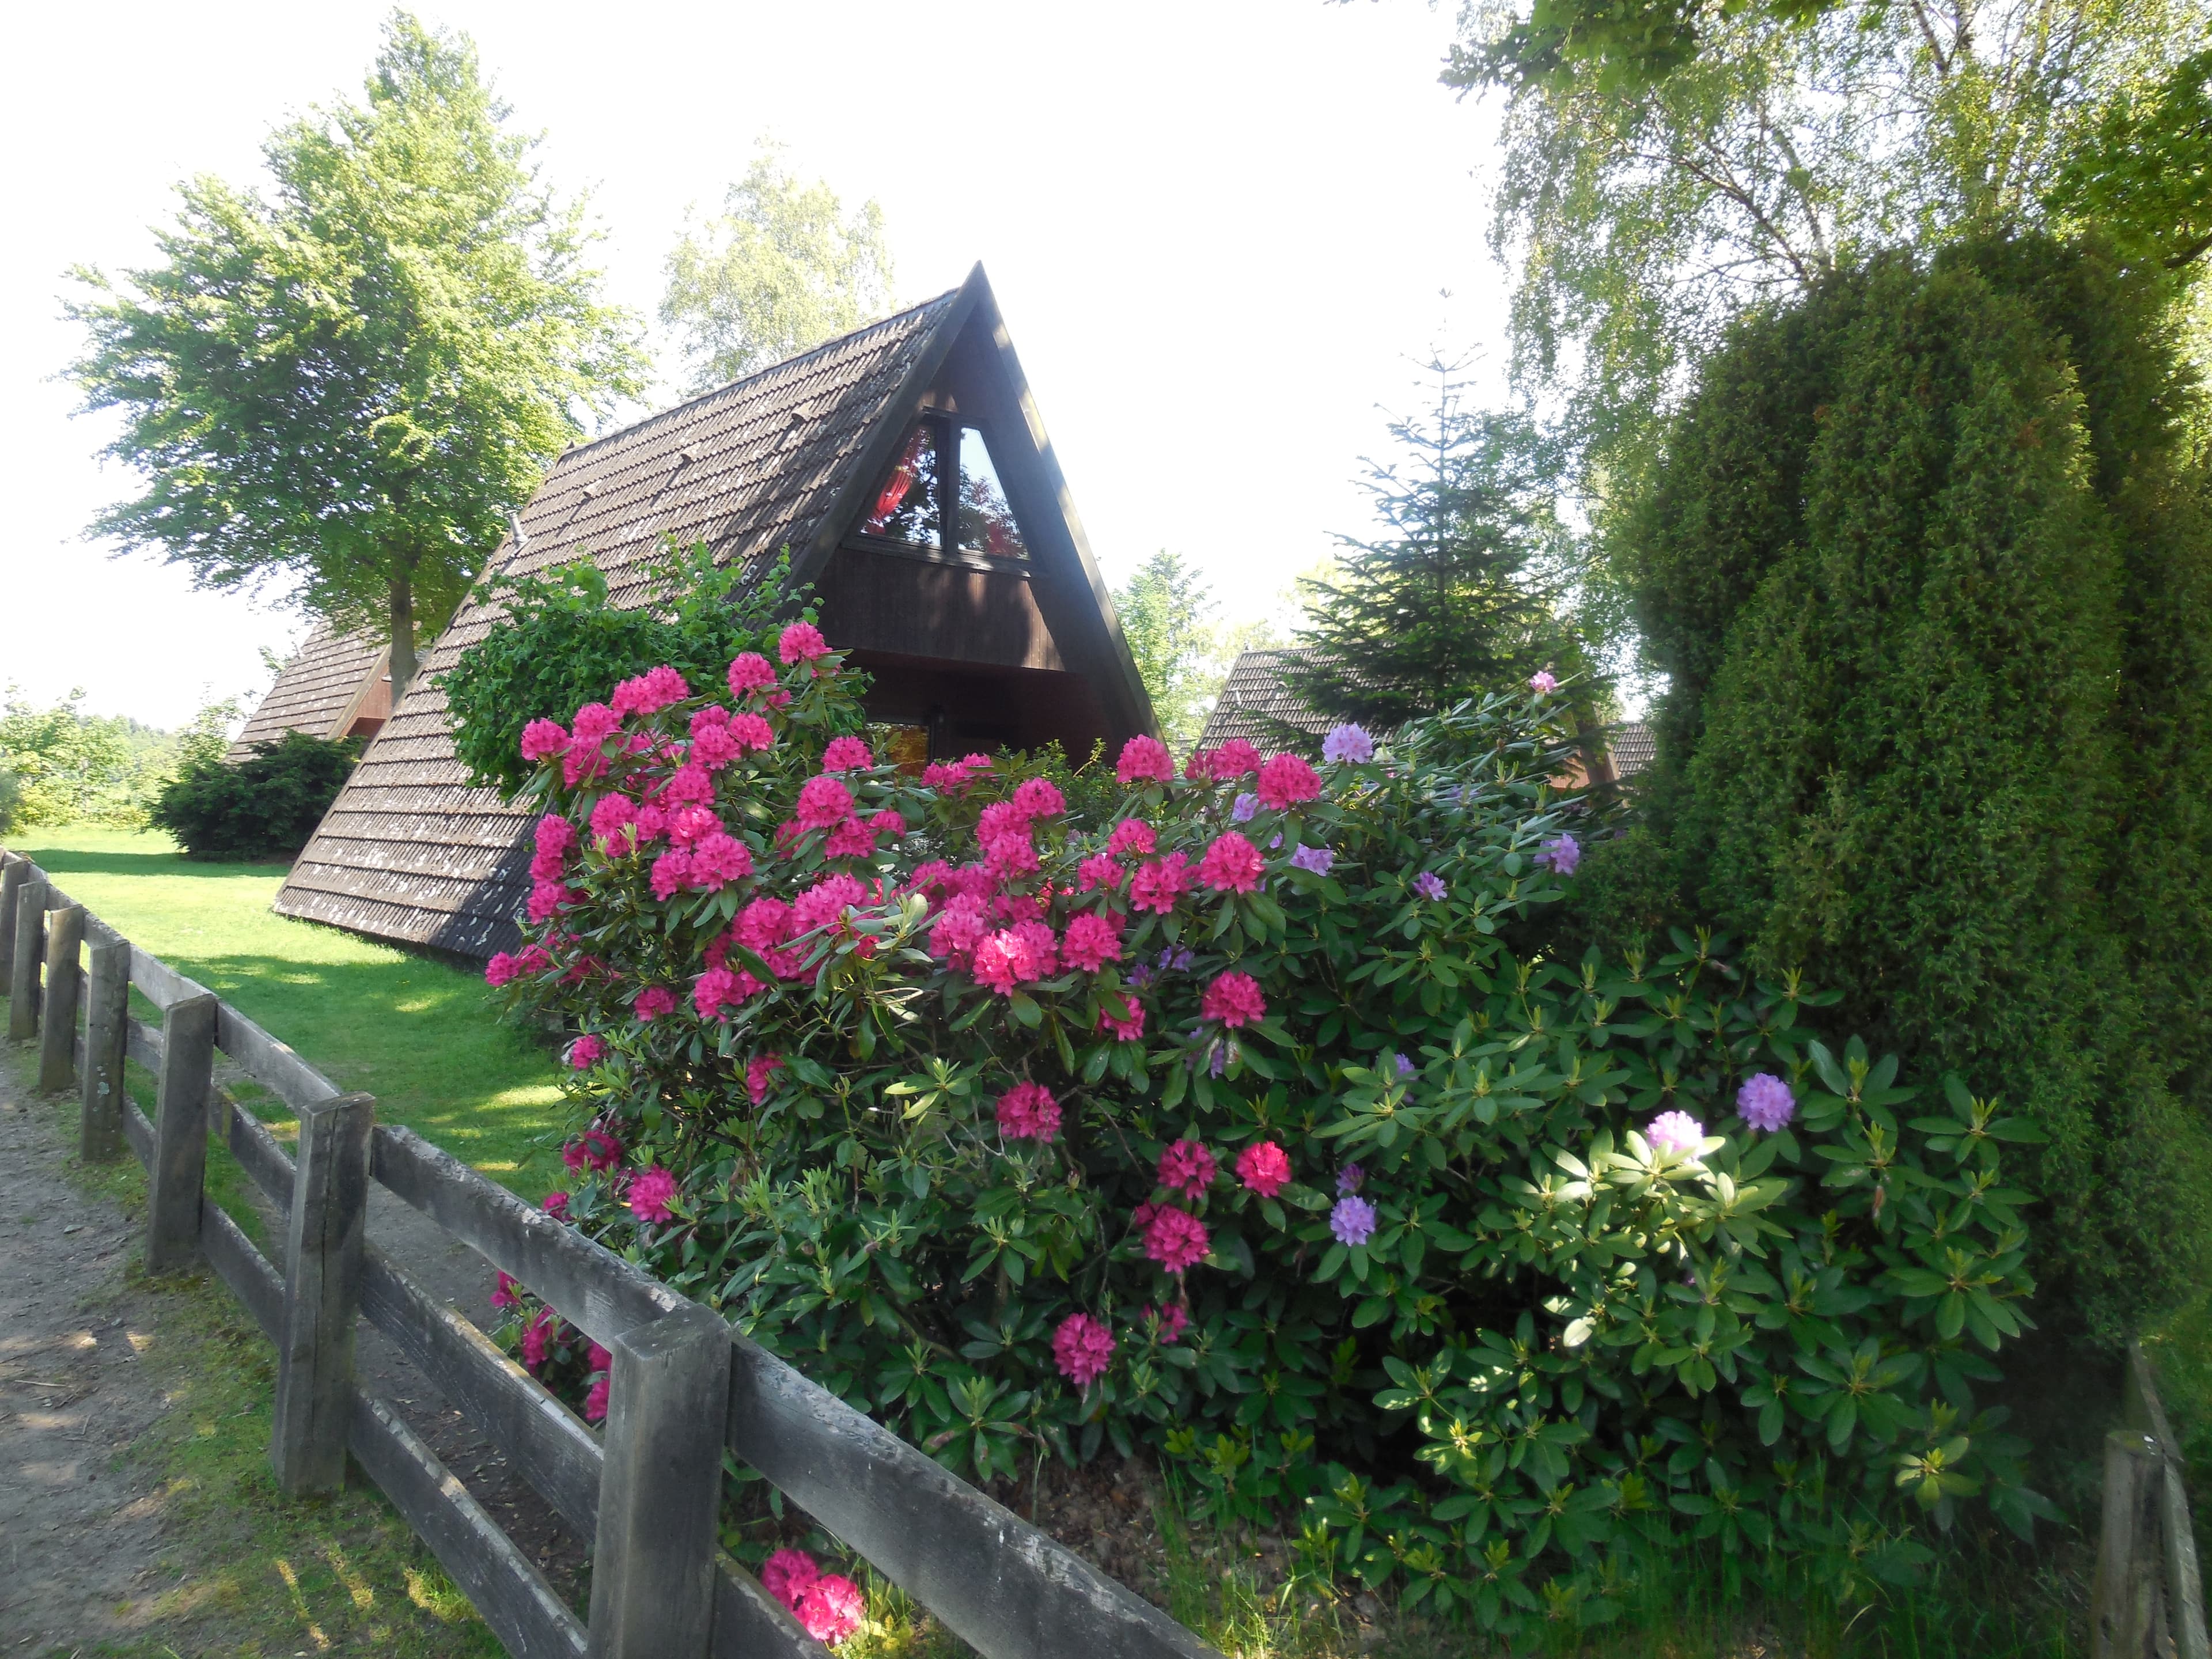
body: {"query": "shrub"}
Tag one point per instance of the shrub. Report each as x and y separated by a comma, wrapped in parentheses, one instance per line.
(1929, 566)
(1227, 1124)
(265, 806)
(562, 643)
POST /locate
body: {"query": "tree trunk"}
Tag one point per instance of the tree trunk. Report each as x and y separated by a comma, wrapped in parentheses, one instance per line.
(403, 628)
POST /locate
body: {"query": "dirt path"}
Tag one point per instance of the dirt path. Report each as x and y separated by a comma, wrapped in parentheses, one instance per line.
(79, 1524)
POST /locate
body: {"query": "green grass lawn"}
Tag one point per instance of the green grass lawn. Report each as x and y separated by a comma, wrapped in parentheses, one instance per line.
(422, 1036)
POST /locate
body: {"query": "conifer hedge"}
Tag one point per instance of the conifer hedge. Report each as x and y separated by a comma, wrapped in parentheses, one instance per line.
(1928, 562)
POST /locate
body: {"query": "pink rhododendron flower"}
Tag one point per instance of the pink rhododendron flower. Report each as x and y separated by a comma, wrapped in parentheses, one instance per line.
(947, 774)
(1000, 818)
(1675, 1134)
(613, 819)
(849, 840)
(595, 1149)
(801, 642)
(1128, 1028)
(1100, 870)
(594, 724)
(1174, 1320)
(1285, 781)
(585, 1051)
(825, 902)
(1234, 759)
(540, 1333)
(651, 691)
(723, 988)
(499, 970)
(823, 802)
(556, 1205)
(502, 1293)
(1131, 835)
(751, 732)
(1542, 683)
(1013, 955)
(654, 1001)
(763, 925)
(1010, 855)
(957, 929)
(672, 873)
(1144, 760)
(1083, 1349)
(1188, 1168)
(549, 897)
(542, 739)
(1175, 1238)
(831, 1608)
(749, 671)
(689, 825)
(1039, 798)
(1232, 864)
(1234, 1000)
(715, 747)
(759, 1070)
(581, 766)
(1160, 882)
(554, 834)
(690, 786)
(718, 859)
(786, 1575)
(1265, 1168)
(595, 1401)
(1091, 941)
(847, 754)
(531, 959)
(650, 1193)
(1028, 1112)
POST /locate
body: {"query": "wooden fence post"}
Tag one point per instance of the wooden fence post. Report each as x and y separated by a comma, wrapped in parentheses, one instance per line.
(322, 1295)
(57, 1037)
(107, 1039)
(2127, 1606)
(13, 874)
(174, 1181)
(652, 1570)
(30, 955)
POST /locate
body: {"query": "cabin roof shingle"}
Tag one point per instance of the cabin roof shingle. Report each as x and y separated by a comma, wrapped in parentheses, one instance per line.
(316, 690)
(411, 850)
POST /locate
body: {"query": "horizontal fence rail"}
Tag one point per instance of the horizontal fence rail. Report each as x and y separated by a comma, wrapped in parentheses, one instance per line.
(646, 1493)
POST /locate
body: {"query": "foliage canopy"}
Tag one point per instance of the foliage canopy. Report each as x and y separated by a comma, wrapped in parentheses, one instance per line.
(349, 383)
(1929, 563)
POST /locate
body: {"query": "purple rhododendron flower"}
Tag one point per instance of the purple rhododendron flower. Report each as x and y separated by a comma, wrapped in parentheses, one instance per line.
(1319, 860)
(1353, 1221)
(1765, 1102)
(1245, 807)
(1428, 884)
(1406, 1067)
(1561, 856)
(1349, 1178)
(1677, 1132)
(1348, 743)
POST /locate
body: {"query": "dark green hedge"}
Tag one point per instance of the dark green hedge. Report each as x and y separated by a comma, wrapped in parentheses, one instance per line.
(1929, 563)
(265, 806)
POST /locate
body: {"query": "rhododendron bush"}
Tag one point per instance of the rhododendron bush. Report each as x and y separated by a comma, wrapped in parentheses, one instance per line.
(1230, 1125)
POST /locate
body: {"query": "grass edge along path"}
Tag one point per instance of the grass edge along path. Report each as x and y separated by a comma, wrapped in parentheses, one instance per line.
(419, 1034)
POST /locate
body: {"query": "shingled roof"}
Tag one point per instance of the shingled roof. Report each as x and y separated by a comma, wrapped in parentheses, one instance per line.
(321, 691)
(1255, 703)
(409, 851)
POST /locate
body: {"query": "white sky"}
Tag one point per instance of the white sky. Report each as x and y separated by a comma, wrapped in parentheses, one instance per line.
(1221, 232)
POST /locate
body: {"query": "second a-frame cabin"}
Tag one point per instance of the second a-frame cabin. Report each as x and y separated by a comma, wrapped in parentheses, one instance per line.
(906, 469)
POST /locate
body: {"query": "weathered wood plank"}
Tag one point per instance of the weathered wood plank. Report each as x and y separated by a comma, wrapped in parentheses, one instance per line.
(500, 1582)
(2127, 1611)
(259, 1153)
(64, 978)
(142, 1042)
(138, 1133)
(751, 1624)
(652, 1563)
(14, 870)
(107, 1040)
(162, 985)
(995, 1582)
(248, 1272)
(324, 1234)
(2185, 1586)
(555, 1452)
(591, 1286)
(177, 1177)
(276, 1066)
(30, 957)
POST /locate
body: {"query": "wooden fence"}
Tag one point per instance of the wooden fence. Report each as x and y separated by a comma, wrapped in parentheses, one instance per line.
(646, 1494)
(2149, 1599)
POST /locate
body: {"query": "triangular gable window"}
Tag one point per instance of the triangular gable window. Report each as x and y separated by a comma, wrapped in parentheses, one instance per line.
(911, 505)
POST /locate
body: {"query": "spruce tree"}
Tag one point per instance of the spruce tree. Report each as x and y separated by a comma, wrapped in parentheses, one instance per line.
(1460, 594)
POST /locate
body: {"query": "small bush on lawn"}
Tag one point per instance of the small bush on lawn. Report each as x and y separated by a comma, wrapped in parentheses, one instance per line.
(1230, 1126)
(265, 806)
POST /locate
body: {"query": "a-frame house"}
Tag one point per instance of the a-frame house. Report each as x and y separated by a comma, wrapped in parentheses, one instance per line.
(906, 470)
